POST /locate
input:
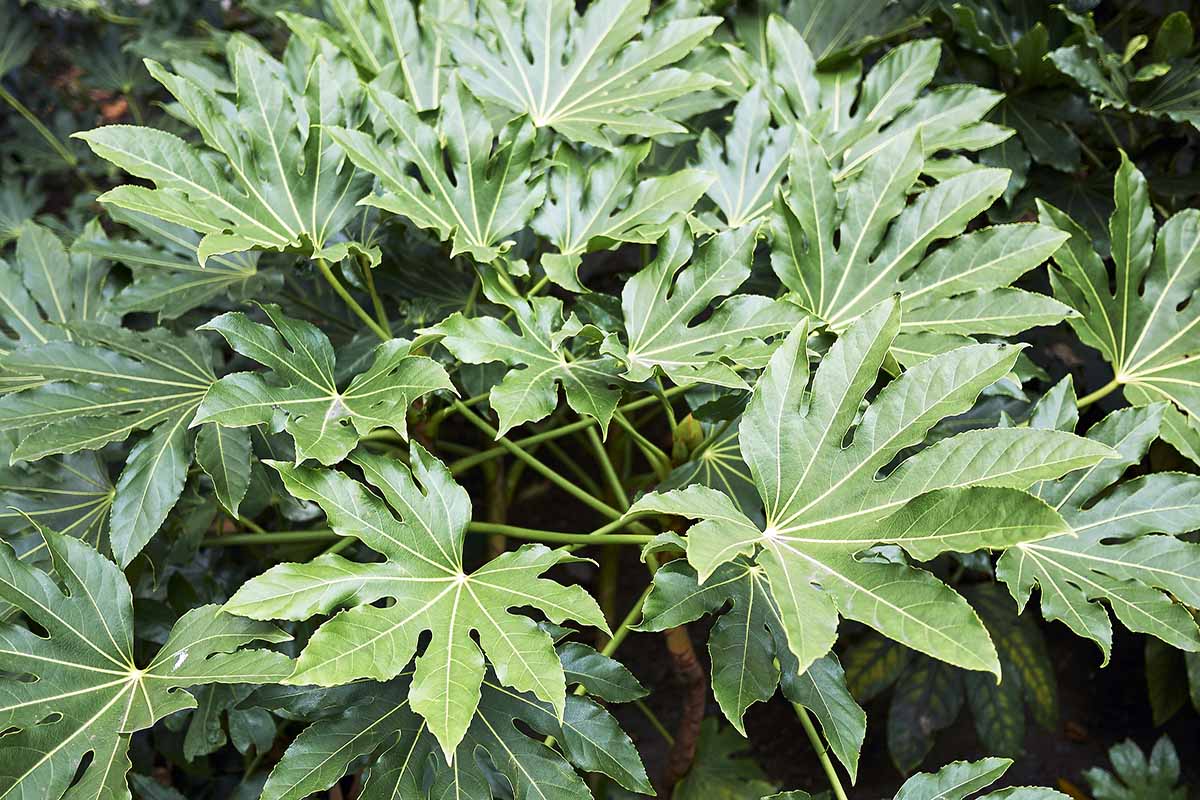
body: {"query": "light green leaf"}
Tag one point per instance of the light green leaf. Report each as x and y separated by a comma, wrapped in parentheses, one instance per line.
(325, 422)
(1123, 549)
(269, 175)
(398, 44)
(749, 164)
(475, 187)
(885, 245)
(595, 77)
(826, 501)
(224, 454)
(424, 576)
(538, 349)
(1146, 326)
(90, 695)
(596, 202)
(662, 301)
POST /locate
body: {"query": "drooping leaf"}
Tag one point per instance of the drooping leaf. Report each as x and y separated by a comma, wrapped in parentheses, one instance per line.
(1146, 325)
(749, 650)
(593, 77)
(885, 247)
(224, 454)
(825, 502)
(167, 277)
(46, 289)
(90, 695)
(542, 360)
(1122, 549)
(424, 576)
(473, 186)
(103, 386)
(927, 699)
(662, 301)
(597, 201)
(269, 176)
(377, 720)
(325, 421)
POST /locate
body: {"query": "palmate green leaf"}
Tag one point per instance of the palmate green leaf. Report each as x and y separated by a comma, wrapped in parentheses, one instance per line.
(324, 421)
(89, 695)
(853, 116)
(1147, 326)
(424, 576)
(595, 77)
(167, 276)
(749, 163)
(826, 502)
(662, 301)
(540, 356)
(596, 201)
(399, 44)
(47, 288)
(884, 243)
(749, 650)
(962, 779)
(378, 721)
(1123, 550)
(71, 494)
(105, 385)
(269, 175)
(474, 185)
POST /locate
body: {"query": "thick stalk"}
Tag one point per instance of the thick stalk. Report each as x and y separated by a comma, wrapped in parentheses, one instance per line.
(822, 752)
(350, 302)
(1102, 392)
(607, 469)
(376, 300)
(488, 528)
(536, 465)
(687, 734)
(463, 464)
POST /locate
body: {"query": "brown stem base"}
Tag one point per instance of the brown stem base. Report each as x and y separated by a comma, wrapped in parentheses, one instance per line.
(691, 674)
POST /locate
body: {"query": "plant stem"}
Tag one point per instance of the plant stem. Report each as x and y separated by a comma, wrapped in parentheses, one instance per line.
(535, 535)
(566, 430)
(63, 152)
(660, 462)
(545, 471)
(353, 305)
(600, 536)
(444, 413)
(606, 466)
(666, 403)
(822, 753)
(1103, 391)
(251, 524)
(376, 300)
(654, 722)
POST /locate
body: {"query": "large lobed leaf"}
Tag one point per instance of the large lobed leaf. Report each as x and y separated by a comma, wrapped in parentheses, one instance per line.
(827, 501)
(90, 695)
(424, 577)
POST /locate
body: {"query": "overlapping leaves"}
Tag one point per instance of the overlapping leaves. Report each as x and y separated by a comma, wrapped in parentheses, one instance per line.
(826, 504)
(424, 577)
(1124, 551)
(269, 176)
(88, 694)
(377, 719)
(324, 421)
